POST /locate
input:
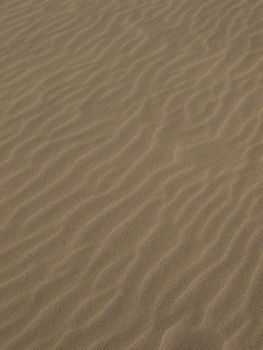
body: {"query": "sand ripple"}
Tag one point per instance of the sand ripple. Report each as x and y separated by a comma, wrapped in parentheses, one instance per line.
(131, 175)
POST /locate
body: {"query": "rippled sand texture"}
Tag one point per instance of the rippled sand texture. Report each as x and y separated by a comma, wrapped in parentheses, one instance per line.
(131, 175)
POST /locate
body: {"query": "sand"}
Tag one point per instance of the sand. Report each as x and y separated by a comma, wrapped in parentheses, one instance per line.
(131, 175)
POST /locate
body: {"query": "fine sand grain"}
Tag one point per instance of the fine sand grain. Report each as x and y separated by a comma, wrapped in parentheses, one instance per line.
(131, 175)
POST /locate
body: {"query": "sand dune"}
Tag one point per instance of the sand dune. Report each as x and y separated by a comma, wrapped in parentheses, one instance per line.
(131, 175)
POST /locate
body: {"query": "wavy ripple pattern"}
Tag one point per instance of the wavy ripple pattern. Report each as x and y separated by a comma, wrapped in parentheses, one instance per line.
(131, 175)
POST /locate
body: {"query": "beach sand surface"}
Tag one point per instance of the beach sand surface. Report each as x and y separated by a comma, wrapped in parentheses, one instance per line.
(131, 175)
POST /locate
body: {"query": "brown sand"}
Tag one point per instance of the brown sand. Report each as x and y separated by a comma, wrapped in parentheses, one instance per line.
(131, 175)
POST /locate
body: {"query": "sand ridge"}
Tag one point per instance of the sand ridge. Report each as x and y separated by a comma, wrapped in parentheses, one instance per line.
(131, 175)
